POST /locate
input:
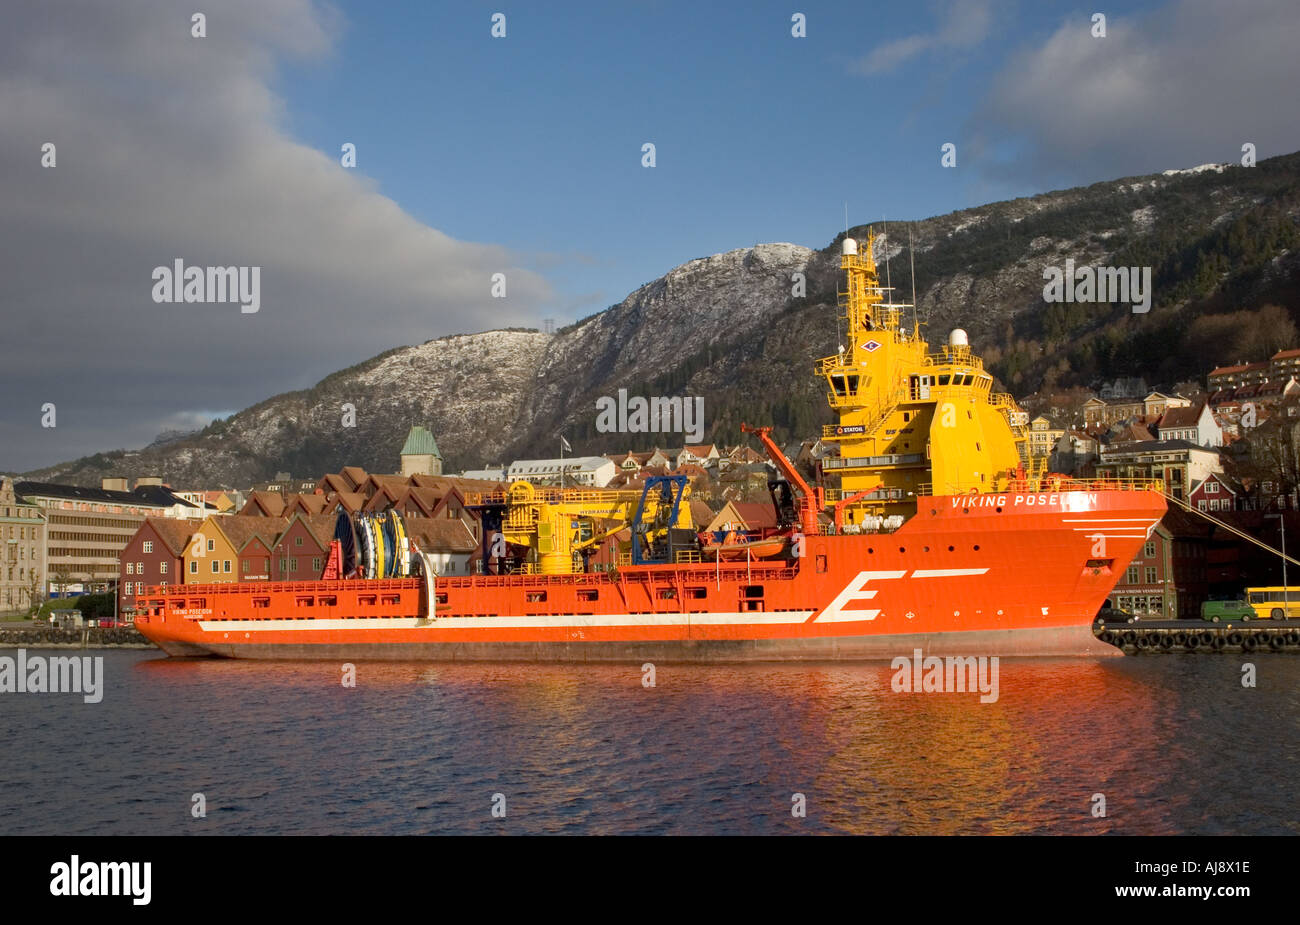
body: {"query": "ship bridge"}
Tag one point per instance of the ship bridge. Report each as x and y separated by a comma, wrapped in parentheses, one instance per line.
(911, 421)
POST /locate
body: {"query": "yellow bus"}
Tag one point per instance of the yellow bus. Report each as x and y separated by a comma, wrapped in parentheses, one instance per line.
(1269, 603)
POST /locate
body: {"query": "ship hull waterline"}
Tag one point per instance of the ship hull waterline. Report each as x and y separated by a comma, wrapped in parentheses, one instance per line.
(1018, 574)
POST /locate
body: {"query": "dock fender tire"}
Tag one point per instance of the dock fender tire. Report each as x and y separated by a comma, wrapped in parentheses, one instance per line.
(1166, 641)
(1130, 639)
(1218, 644)
(1207, 639)
(1235, 639)
(1277, 643)
(1180, 638)
(1107, 637)
(1293, 638)
(1248, 644)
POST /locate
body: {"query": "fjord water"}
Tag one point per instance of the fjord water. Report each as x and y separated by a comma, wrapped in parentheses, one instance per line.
(1175, 743)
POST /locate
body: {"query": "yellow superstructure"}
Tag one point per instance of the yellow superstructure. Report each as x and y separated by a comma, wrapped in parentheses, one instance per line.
(557, 524)
(912, 422)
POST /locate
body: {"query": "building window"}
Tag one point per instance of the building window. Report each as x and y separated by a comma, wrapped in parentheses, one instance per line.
(216, 566)
(162, 569)
(293, 564)
(297, 541)
(225, 566)
(194, 567)
(212, 545)
(1200, 505)
(130, 568)
(1211, 488)
(139, 568)
(315, 564)
(1132, 576)
(1151, 574)
(1149, 551)
(148, 545)
(243, 566)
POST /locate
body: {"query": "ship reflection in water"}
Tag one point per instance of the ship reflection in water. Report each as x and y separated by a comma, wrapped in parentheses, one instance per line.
(1174, 743)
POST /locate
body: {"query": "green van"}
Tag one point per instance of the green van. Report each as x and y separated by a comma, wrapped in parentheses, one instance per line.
(1226, 611)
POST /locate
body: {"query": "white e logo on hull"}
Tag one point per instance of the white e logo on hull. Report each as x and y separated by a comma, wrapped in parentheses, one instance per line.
(854, 591)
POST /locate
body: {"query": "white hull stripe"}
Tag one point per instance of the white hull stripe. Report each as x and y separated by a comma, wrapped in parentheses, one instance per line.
(549, 621)
(946, 572)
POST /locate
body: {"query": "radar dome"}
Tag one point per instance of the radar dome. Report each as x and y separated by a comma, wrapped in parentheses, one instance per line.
(850, 247)
(958, 338)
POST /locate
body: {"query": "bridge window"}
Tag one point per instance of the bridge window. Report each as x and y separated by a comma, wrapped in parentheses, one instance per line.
(588, 594)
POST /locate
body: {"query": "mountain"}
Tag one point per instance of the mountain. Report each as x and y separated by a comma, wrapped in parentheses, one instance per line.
(1222, 242)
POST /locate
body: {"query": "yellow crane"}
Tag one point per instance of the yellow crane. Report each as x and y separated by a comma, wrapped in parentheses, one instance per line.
(557, 524)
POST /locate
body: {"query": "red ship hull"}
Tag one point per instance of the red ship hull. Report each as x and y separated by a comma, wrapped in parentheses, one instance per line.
(1019, 573)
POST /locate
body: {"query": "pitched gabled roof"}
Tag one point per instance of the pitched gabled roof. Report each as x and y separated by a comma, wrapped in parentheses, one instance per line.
(352, 501)
(1180, 417)
(243, 530)
(308, 504)
(333, 482)
(174, 533)
(754, 514)
(355, 475)
(1133, 432)
(440, 534)
(394, 484)
(267, 503)
(320, 526)
(1285, 354)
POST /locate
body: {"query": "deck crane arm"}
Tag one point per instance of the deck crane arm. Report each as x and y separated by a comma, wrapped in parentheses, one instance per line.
(811, 500)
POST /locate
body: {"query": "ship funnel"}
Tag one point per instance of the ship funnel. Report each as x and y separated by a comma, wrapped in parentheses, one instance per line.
(958, 338)
(850, 247)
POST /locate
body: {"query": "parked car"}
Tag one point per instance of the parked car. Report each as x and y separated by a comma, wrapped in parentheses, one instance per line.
(1111, 614)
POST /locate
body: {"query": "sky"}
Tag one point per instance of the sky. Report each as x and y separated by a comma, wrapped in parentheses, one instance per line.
(522, 155)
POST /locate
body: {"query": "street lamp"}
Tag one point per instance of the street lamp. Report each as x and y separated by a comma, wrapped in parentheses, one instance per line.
(1286, 597)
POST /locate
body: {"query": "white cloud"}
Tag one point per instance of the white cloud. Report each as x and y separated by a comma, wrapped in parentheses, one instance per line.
(1184, 84)
(963, 25)
(172, 146)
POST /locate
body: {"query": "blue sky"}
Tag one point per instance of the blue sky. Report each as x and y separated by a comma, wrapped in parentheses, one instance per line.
(522, 155)
(533, 140)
